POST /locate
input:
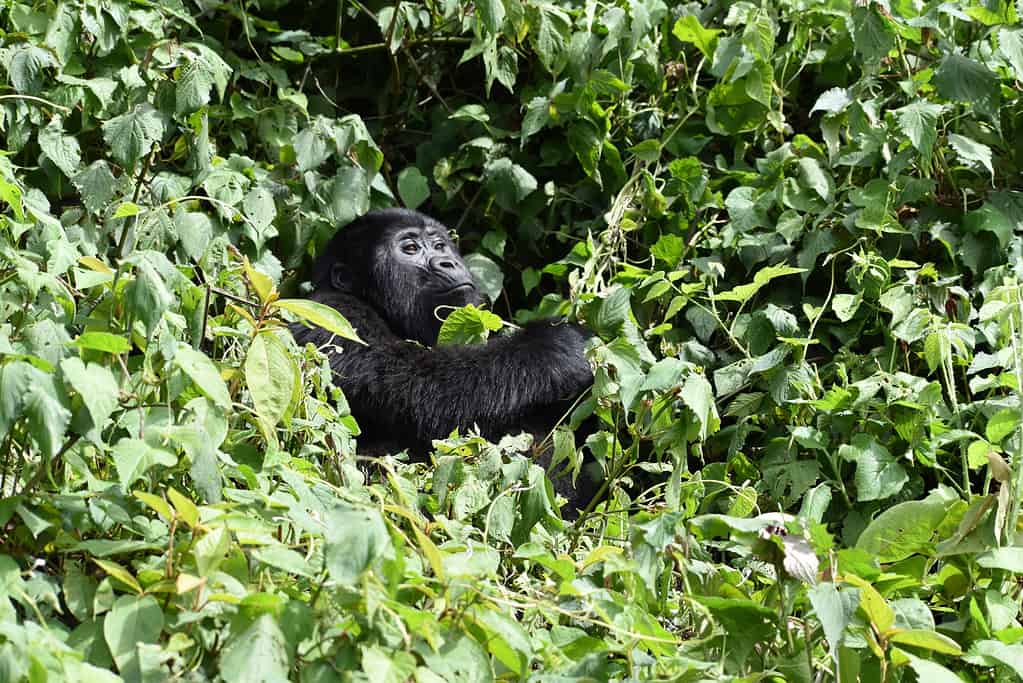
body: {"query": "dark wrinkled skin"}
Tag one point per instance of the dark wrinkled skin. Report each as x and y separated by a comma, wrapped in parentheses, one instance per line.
(387, 273)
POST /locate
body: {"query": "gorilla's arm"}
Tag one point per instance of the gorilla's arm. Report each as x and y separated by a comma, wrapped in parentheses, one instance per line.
(429, 391)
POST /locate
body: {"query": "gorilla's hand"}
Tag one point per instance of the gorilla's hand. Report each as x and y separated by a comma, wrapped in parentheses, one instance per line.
(560, 347)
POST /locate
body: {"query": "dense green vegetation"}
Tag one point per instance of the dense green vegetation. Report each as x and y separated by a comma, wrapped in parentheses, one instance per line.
(794, 225)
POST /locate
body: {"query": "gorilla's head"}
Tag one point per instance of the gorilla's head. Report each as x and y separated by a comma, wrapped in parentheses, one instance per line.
(402, 262)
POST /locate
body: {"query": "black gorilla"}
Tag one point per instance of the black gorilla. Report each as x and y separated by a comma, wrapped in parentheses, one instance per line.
(393, 274)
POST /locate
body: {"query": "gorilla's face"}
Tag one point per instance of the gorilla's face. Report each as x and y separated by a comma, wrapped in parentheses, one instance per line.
(419, 277)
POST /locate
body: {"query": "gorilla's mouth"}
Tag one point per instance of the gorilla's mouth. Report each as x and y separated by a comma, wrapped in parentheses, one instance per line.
(459, 288)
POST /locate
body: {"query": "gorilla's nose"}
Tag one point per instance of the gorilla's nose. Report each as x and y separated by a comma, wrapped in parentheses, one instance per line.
(443, 264)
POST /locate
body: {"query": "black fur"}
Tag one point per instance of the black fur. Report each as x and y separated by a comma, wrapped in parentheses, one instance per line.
(404, 393)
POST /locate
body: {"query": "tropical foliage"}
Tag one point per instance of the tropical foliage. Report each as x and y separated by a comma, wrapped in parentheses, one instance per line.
(794, 226)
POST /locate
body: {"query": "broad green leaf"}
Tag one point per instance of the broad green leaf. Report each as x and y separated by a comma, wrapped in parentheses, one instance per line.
(148, 297)
(928, 640)
(873, 36)
(918, 121)
(972, 152)
(63, 150)
(1007, 558)
(259, 653)
(698, 395)
(314, 313)
(549, 33)
(491, 14)
(47, 414)
(961, 79)
(158, 504)
(832, 101)
(461, 658)
(201, 370)
(509, 182)
(103, 341)
(688, 30)
(25, 63)
(488, 275)
(134, 619)
(132, 135)
(98, 388)
(349, 195)
(1002, 424)
(96, 185)
(835, 610)
(413, 187)
(185, 508)
(929, 671)
(270, 376)
(356, 539)
(873, 604)
(906, 528)
(382, 666)
(878, 474)
(468, 325)
(744, 293)
(209, 551)
(134, 457)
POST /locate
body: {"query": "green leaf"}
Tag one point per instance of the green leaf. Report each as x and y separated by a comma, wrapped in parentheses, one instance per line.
(919, 121)
(413, 187)
(132, 135)
(812, 175)
(509, 182)
(906, 528)
(832, 101)
(549, 33)
(63, 150)
(698, 395)
(259, 653)
(928, 640)
(147, 297)
(488, 275)
(201, 370)
(873, 37)
(96, 185)
(468, 325)
(1009, 558)
(25, 64)
(491, 14)
(270, 375)
(203, 68)
(134, 619)
(744, 293)
(1002, 424)
(688, 30)
(97, 387)
(356, 539)
(961, 79)
(929, 671)
(349, 195)
(972, 152)
(1010, 45)
(587, 142)
(127, 209)
(386, 666)
(134, 457)
(314, 313)
(47, 415)
(878, 474)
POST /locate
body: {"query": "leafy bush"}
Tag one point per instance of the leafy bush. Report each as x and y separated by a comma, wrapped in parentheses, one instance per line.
(792, 225)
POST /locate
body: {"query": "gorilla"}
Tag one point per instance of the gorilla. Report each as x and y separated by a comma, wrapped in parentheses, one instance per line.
(394, 274)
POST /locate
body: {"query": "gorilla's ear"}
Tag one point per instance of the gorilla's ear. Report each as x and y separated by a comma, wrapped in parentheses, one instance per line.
(341, 277)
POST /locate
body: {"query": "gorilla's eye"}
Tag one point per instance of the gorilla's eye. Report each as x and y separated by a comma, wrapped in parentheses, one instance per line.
(410, 247)
(439, 246)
